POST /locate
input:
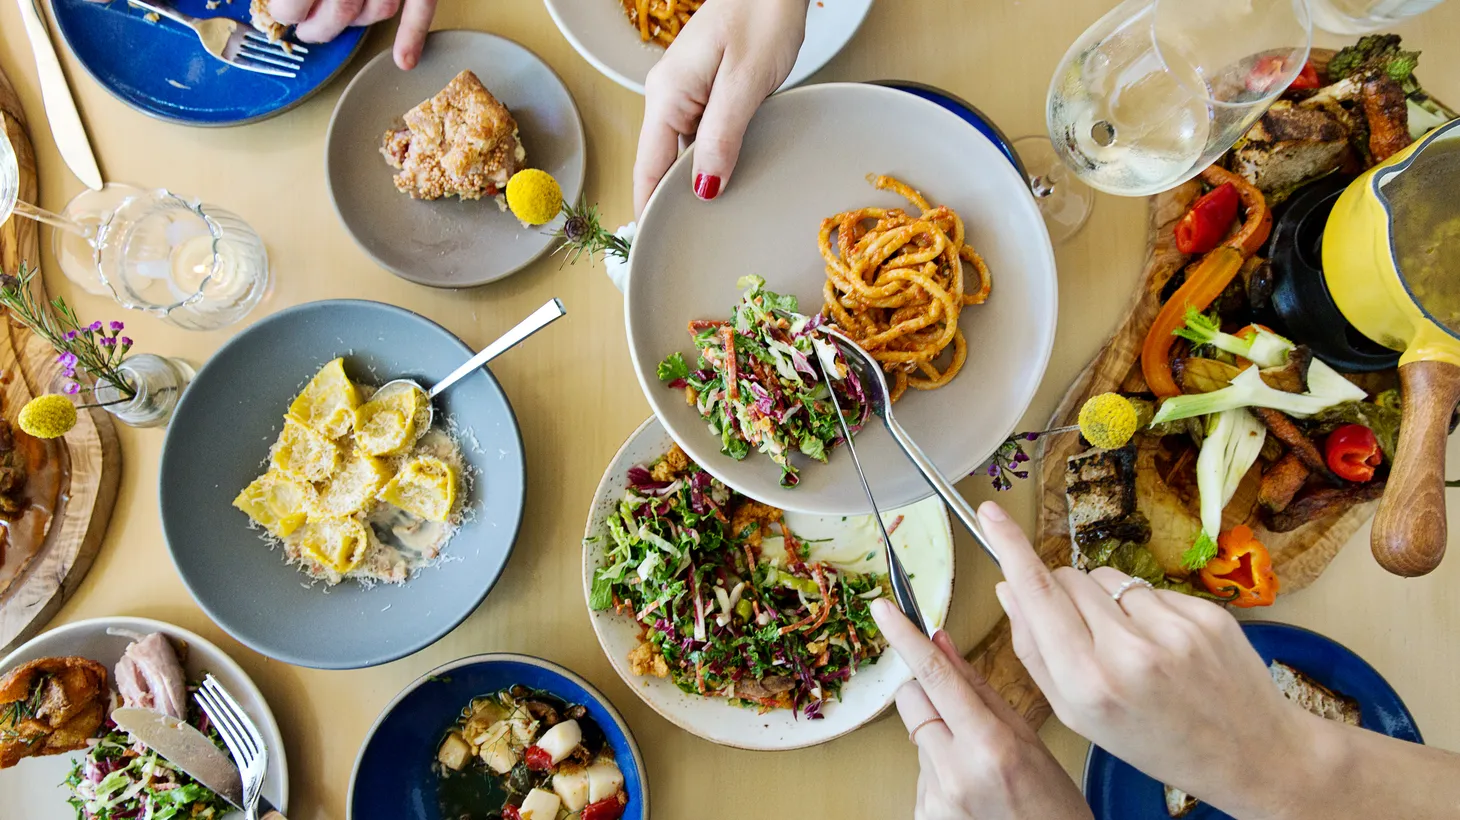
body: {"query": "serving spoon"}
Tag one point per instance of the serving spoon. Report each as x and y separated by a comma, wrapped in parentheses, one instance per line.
(874, 385)
(540, 318)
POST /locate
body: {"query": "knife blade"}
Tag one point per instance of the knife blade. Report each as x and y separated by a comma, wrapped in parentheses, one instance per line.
(65, 122)
(184, 747)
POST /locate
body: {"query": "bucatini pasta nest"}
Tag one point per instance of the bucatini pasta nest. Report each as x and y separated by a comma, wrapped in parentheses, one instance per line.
(895, 283)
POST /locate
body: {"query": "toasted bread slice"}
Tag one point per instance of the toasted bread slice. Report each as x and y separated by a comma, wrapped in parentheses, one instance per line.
(1289, 146)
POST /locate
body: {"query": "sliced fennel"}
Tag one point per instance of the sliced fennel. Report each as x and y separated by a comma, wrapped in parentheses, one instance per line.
(1264, 348)
(1326, 388)
(1233, 442)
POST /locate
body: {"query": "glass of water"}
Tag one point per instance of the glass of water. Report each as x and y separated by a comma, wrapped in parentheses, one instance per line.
(1157, 90)
(194, 265)
(1364, 16)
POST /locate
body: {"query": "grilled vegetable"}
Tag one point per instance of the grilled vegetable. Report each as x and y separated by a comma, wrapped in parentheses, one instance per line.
(1242, 564)
(1297, 441)
(1323, 502)
(1208, 220)
(1281, 482)
(1353, 452)
(1205, 283)
(1234, 440)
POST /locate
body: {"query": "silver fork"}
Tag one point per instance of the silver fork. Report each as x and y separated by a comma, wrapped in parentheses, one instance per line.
(235, 43)
(874, 384)
(243, 741)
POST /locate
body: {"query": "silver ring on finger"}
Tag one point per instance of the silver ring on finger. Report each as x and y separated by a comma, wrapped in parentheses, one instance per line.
(912, 736)
(1128, 586)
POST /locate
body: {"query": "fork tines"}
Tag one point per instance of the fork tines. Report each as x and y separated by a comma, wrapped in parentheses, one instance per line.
(293, 48)
(239, 734)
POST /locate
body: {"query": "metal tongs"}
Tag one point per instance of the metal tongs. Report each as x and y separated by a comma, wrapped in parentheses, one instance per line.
(874, 384)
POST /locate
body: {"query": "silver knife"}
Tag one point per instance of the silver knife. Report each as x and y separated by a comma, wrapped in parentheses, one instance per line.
(60, 107)
(190, 750)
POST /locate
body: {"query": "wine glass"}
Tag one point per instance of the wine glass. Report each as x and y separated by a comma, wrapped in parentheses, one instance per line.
(1157, 90)
(194, 265)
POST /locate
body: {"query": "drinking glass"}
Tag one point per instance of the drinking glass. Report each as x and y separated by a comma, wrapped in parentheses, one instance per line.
(1157, 90)
(1364, 16)
(196, 266)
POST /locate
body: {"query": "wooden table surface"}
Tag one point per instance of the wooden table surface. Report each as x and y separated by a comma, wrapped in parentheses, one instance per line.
(577, 400)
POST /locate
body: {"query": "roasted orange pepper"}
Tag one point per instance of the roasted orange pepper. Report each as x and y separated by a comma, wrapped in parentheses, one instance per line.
(1204, 283)
(1242, 567)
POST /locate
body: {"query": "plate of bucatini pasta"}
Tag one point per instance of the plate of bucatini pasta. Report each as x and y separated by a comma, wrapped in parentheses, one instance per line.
(625, 38)
(866, 209)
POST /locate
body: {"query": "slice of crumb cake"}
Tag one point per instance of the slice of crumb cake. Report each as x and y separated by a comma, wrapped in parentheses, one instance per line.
(461, 142)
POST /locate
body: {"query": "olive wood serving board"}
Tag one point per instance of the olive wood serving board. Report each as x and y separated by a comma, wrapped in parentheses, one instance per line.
(77, 475)
(1299, 556)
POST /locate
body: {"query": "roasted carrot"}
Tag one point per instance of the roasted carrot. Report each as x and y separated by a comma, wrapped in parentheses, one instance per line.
(1203, 285)
(732, 368)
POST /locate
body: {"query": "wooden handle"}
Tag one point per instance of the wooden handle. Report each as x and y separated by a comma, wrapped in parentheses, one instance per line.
(1409, 530)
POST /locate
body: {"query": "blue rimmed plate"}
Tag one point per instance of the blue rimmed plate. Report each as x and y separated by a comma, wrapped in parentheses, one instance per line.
(161, 69)
(966, 111)
(394, 777)
(1118, 791)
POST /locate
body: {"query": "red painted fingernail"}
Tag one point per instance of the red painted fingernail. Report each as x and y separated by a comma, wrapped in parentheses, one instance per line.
(707, 186)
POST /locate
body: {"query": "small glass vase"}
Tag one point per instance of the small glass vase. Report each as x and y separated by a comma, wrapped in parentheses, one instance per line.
(159, 382)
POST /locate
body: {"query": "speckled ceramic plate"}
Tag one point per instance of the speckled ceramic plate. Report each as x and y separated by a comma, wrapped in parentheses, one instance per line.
(806, 157)
(863, 698)
(603, 35)
(33, 789)
(219, 441)
(448, 242)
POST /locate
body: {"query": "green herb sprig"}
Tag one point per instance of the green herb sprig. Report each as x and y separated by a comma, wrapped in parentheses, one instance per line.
(94, 349)
(583, 233)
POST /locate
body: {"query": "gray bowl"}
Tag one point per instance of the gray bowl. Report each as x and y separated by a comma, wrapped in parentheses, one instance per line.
(220, 438)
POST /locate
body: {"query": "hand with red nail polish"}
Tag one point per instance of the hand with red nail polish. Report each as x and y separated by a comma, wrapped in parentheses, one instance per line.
(728, 58)
(319, 21)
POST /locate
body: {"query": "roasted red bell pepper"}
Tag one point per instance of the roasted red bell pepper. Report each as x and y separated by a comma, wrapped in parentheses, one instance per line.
(1307, 78)
(608, 808)
(1242, 569)
(1257, 217)
(1352, 452)
(1264, 73)
(1207, 222)
(538, 759)
(510, 812)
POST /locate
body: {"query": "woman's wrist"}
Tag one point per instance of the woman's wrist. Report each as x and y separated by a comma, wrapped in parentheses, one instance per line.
(1289, 778)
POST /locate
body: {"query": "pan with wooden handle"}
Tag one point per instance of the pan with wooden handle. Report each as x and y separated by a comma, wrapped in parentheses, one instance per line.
(1361, 265)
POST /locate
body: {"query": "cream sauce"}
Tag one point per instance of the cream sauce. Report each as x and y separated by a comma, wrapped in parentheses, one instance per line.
(853, 543)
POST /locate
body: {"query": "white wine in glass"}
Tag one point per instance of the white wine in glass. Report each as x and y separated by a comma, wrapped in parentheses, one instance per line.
(1157, 90)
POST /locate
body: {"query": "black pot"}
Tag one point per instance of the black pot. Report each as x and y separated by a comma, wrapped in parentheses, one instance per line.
(1300, 294)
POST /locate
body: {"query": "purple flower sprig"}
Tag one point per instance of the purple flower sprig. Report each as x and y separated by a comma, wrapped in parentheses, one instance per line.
(1008, 462)
(90, 352)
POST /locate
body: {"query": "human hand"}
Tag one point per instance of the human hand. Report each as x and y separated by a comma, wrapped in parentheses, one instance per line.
(1165, 681)
(976, 757)
(319, 21)
(728, 58)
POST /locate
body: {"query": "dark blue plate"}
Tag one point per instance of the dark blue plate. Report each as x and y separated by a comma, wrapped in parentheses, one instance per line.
(394, 778)
(1117, 791)
(964, 110)
(161, 69)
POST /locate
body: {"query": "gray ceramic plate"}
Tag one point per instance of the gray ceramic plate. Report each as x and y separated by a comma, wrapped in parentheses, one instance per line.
(220, 438)
(447, 242)
(805, 158)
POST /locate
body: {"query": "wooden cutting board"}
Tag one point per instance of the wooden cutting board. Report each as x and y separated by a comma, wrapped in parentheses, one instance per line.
(1299, 557)
(86, 462)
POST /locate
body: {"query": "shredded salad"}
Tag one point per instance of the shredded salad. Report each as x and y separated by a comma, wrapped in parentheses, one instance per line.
(757, 387)
(722, 610)
(119, 780)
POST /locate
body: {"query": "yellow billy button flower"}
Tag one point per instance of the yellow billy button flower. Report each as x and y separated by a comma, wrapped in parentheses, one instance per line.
(1108, 421)
(49, 416)
(534, 196)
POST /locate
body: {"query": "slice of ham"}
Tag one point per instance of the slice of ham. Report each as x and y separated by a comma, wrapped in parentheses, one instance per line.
(149, 676)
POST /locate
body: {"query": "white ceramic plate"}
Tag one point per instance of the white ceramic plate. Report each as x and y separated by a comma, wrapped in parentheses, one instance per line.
(805, 158)
(32, 789)
(864, 697)
(603, 35)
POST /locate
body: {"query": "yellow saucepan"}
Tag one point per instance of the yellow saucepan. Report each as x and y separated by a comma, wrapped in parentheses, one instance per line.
(1363, 275)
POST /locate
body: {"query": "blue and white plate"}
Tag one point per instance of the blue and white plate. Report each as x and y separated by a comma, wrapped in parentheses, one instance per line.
(162, 70)
(1118, 791)
(394, 777)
